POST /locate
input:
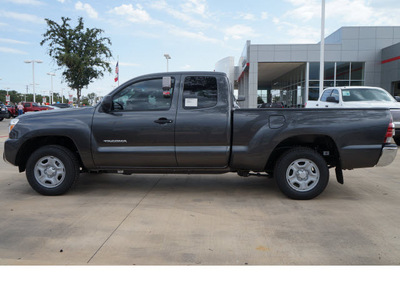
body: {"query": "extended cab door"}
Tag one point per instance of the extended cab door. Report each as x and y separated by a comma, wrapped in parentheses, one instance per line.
(139, 130)
(203, 125)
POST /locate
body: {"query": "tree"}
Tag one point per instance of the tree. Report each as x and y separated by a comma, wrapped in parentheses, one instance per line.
(82, 53)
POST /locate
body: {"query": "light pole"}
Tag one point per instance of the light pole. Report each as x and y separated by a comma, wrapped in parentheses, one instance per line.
(322, 50)
(51, 75)
(62, 95)
(167, 57)
(33, 61)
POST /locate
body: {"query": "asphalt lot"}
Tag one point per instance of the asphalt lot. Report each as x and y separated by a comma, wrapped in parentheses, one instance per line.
(199, 220)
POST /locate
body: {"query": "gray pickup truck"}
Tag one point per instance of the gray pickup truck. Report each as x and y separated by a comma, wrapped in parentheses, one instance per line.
(188, 122)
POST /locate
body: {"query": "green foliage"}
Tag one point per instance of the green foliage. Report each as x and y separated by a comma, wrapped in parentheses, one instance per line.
(82, 53)
(14, 96)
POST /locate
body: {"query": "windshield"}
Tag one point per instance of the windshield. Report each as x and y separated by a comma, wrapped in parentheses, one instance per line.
(350, 95)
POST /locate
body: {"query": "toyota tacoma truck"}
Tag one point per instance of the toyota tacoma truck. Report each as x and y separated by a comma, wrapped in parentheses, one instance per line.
(189, 122)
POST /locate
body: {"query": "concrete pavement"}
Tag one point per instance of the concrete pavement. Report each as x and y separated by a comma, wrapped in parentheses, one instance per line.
(199, 220)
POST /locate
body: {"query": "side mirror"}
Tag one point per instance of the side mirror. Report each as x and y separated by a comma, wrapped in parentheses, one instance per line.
(332, 100)
(397, 98)
(241, 98)
(106, 104)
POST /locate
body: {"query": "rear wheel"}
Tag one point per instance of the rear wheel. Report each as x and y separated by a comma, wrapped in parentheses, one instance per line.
(52, 170)
(301, 173)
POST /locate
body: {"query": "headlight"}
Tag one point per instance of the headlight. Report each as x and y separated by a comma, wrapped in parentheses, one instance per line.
(13, 122)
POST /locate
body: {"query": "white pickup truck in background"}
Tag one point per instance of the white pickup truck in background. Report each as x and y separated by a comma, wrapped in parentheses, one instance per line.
(362, 97)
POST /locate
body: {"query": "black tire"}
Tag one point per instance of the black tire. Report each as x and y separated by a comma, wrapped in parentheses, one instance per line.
(301, 173)
(1, 119)
(52, 170)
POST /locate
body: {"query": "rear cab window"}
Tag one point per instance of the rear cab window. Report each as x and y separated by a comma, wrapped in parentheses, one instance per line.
(200, 92)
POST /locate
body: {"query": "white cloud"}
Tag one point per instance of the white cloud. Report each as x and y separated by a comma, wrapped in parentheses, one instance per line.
(28, 2)
(198, 36)
(344, 12)
(198, 7)
(264, 15)
(305, 10)
(238, 32)
(92, 13)
(128, 64)
(10, 41)
(61, 1)
(361, 12)
(186, 67)
(298, 33)
(21, 17)
(12, 50)
(186, 15)
(134, 14)
(248, 17)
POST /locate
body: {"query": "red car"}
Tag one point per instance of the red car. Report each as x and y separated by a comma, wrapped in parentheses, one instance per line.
(28, 107)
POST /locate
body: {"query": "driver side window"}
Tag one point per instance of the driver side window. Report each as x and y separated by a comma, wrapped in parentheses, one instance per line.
(143, 96)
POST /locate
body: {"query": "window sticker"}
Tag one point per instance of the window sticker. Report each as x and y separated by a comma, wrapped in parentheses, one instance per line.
(346, 93)
(191, 102)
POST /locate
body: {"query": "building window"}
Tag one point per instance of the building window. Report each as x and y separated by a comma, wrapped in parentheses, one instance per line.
(335, 74)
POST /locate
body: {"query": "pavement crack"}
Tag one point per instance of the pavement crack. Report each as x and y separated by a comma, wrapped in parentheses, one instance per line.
(126, 217)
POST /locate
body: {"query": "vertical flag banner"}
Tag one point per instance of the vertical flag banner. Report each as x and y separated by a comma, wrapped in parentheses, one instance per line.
(116, 73)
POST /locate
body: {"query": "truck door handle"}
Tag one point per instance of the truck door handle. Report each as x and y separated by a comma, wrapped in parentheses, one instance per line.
(163, 121)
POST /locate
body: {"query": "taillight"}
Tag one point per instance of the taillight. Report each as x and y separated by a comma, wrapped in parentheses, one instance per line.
(389, 133)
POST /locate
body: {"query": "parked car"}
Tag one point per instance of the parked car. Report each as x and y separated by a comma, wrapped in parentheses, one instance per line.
(3, 112)
(33, 106)
(52, 107)
(12, 111)
(359, 97)
(62, 105)
(186, 122)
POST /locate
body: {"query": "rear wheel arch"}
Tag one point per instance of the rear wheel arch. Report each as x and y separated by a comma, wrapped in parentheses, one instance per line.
(322, 144)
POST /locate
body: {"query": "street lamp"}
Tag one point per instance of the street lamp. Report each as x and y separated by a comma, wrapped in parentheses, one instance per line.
(51, 74)
(62, 95)
(167, 57)
(33, 61)
(322, 50)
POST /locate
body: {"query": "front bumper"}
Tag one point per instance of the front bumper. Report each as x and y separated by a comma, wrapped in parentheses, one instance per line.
(11, 148)
(388, 155)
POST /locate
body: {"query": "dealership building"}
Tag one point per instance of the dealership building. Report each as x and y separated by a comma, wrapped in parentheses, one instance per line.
(289, 73)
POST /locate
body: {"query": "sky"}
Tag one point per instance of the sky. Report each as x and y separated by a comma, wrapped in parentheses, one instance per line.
(195, 33)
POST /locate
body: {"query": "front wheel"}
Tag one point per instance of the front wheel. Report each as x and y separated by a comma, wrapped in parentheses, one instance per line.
(52, 170)
(301, 173)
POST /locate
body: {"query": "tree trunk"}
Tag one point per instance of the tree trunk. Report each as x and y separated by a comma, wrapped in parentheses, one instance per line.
(78, 96)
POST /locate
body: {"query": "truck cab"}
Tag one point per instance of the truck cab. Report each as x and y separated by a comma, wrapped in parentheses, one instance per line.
(185, 124)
